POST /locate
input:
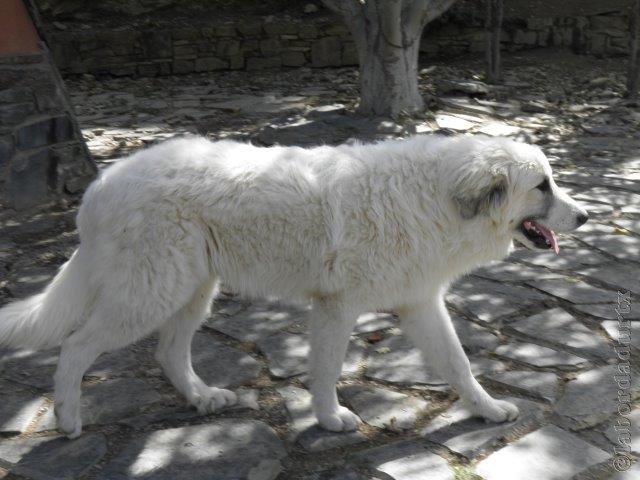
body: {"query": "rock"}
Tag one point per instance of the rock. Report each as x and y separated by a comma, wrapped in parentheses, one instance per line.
(265, 470)
(220, 365)
(473, 337)
(536, 106)
(384, 408)
(466, 434)
(18, 409)
(559, 328)
(326, 52)
(395, 360)
(305, 426)
(622, 276)
(606, 195)
(372, 322)
(609, 311)
(453, 123)
(252, 104)
(569, 259)
(335, 108)
(538, 356)
(232, 448)
(109, 401)
(465, 105)
(469, 87)
(287, 354)
(31, 281)
(542, 385)
(512, 272)
(623, 247)
(600, 81)
(406, 461)
(255, 322)
(626, 333)
(247, 398)
(310, 8)
(499, 129)
(625, 431)
(546, 454)
(36, 369)
(629, 224)
(49, 458)
(604, 130)
(488, 301)
(347, 473)
(574, 291)
(593, 396)
(293, 59)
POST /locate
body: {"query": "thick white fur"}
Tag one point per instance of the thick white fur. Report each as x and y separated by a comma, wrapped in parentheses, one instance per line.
(349, 228)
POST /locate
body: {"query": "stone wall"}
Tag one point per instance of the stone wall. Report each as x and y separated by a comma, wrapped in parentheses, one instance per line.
(42, 155)
(250, 44)
(319, 40)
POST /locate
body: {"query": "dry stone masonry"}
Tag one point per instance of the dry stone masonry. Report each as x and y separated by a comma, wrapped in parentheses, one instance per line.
(42, 154)
(319, 39)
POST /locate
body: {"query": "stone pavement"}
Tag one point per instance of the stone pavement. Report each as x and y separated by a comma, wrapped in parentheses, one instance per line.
(541, 330)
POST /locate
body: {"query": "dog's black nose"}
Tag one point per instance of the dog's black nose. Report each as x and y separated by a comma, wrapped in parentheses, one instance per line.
(582, 219)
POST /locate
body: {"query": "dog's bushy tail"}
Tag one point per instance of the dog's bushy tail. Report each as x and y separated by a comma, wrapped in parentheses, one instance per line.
(46, 319)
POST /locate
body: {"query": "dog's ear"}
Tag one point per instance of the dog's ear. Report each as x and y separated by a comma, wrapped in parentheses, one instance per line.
(480, 193)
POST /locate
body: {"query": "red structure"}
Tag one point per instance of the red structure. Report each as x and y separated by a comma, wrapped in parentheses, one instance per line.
(17, 33)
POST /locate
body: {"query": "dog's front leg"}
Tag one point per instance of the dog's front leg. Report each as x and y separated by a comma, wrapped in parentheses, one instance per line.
(431, 330)
(329, 333)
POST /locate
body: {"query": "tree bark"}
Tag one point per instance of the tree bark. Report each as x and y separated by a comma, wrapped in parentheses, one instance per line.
(387, 35)
(493, 26)
(633, 76)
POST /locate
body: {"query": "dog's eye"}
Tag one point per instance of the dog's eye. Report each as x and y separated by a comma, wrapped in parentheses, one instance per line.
(544, 185)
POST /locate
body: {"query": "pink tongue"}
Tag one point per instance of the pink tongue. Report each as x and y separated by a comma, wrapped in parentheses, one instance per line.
(550, 236)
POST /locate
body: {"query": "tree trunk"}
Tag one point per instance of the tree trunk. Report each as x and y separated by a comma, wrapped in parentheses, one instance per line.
(633, 76)
(493, 26)
(388, 73)
(387, 35)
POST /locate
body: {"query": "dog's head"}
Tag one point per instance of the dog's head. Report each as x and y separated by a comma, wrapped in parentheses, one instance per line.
(510, 185)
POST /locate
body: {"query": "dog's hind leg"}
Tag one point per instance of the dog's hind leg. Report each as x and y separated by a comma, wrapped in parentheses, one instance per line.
(431, 330)
(174, 354)
(100, 334)
(329, 332)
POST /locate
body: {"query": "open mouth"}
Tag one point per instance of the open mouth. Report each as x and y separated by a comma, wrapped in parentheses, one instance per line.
(541, 236)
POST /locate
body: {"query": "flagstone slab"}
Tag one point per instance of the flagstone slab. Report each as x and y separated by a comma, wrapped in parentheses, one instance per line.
(549, 453)
(287, 354)
(384, 408)
(592, 397)
(559, 328)
(574, 291)
(406, 461)
(467, 434)
(52, 458)
(227, 449)
(542, 385)
(538, 356)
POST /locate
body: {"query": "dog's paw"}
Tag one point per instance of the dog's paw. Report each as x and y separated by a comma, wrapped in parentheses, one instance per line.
(69, 423)
(343, 420)
(498, 411)
(214, 399)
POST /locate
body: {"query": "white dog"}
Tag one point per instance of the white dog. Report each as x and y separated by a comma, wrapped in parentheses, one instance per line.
(349, 228)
